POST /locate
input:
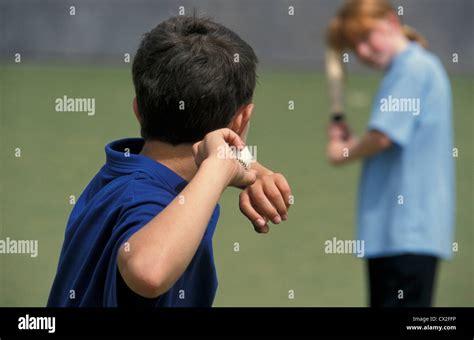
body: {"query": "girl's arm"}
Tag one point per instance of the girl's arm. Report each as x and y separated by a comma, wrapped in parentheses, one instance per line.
(340, 151)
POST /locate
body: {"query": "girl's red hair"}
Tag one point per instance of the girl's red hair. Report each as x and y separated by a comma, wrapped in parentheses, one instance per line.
(356, 18)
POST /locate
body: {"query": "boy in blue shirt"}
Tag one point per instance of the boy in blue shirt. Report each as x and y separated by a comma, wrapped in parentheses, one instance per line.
(406, 194)
(141, 232)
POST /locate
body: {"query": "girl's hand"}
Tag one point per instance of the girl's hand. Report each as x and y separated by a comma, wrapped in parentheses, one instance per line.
(339, 131)
(339, 151)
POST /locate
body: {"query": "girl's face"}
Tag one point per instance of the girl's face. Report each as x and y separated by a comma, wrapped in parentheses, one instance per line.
(380, 44)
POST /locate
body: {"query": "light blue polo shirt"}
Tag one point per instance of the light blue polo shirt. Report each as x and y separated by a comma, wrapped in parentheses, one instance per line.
(406, 196)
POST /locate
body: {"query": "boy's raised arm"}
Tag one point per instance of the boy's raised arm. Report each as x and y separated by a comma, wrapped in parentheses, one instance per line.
(160, 252)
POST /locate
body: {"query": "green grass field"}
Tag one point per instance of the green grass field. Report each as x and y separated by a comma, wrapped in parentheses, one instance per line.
(61, 151)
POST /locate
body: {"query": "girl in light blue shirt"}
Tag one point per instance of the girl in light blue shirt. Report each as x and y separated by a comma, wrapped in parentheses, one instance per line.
(406, 193)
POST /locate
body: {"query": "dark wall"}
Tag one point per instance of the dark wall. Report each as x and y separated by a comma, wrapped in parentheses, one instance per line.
(102, 31)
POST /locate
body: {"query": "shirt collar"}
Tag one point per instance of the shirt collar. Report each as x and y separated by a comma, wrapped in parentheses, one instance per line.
(411, 47)
(123, 157)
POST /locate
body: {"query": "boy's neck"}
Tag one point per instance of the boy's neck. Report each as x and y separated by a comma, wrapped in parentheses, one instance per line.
(178, 158)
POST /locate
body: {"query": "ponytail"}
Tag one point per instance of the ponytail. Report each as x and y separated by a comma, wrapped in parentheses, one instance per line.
(413, 35)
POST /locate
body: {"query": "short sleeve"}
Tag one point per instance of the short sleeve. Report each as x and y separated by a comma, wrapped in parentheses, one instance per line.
(131, 219)
(398, 104)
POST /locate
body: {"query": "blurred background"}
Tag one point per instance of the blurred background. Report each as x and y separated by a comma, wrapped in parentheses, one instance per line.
(46, 53)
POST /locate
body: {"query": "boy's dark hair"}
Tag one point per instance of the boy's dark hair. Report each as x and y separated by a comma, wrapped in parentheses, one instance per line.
(191, 76)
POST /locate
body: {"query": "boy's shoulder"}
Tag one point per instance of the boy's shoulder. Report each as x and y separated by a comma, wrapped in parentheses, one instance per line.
(134, 176)
(142, 187)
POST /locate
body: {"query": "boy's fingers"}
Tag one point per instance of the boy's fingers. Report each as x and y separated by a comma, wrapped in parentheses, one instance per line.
(196, 148)
(265, 229)
(262, 205)
(284, 187)
(259, 223)
(275, 197)
(232, 138)
(196, 155)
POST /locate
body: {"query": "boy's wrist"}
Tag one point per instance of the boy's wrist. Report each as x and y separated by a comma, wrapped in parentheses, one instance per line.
(261, 170)
(221, 170)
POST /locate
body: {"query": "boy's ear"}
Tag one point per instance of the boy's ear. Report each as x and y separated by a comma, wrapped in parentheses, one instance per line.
(241, 121)
(135, 109)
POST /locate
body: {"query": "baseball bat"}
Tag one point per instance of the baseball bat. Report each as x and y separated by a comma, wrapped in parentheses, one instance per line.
(335, 78)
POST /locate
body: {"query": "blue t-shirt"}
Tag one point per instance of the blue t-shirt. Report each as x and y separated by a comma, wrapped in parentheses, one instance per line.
(406, 194)
(127, 193)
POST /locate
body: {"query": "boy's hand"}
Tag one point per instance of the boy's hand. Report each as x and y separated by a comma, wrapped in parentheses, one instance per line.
(216, 148)
(266, 199)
